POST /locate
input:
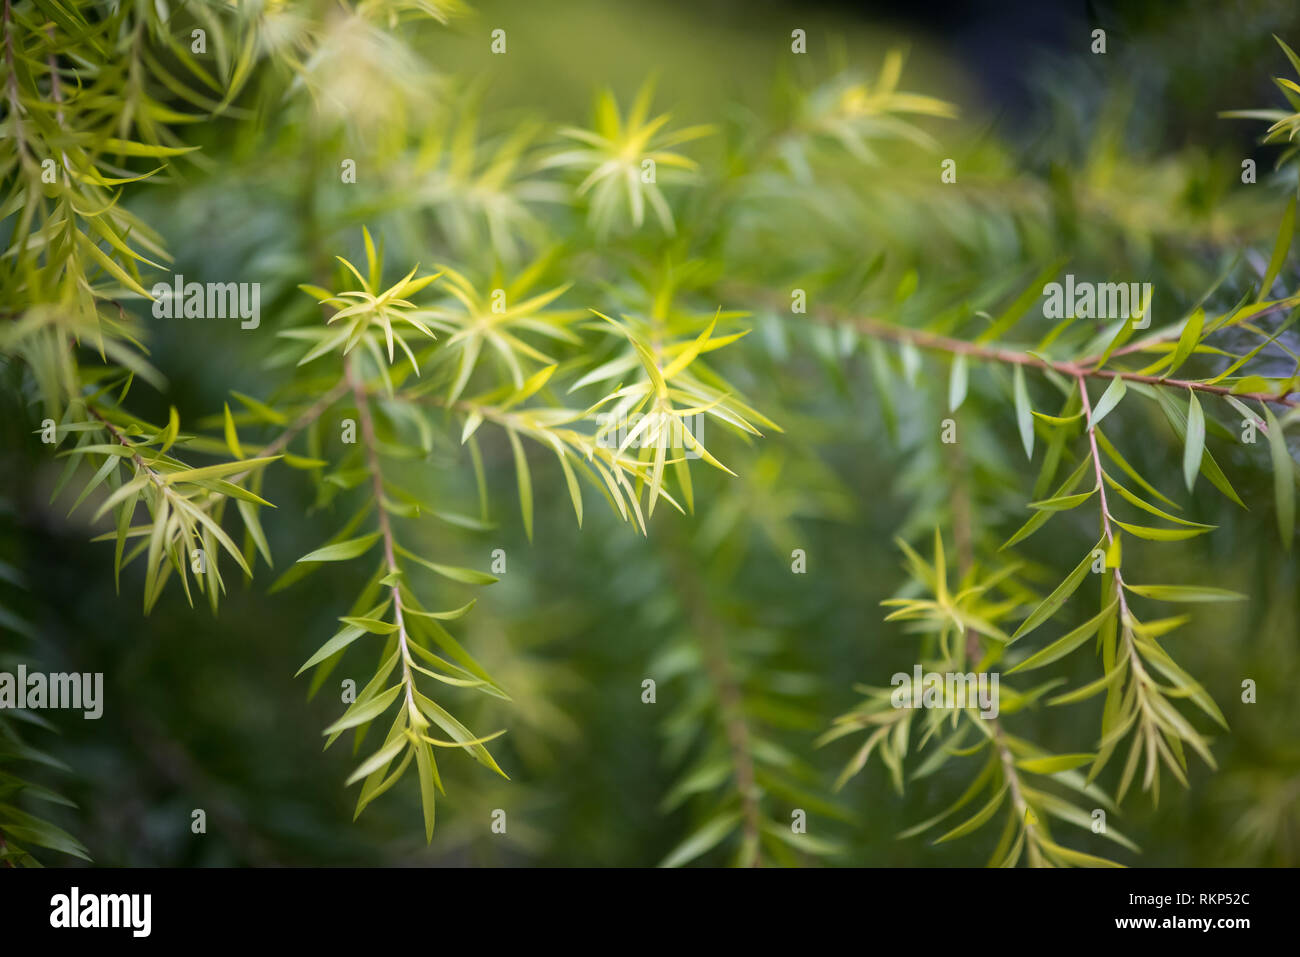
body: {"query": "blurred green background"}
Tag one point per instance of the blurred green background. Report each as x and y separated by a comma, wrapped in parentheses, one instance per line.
(204, 712)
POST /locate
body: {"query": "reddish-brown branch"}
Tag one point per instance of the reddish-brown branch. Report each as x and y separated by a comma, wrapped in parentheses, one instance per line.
(354, 383)
(932, 341)
(1106, 522)
(879, 329)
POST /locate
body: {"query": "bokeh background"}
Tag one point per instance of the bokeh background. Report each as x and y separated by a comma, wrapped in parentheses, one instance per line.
(204, 712)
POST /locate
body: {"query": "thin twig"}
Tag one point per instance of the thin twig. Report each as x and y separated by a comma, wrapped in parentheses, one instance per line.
(730, 699)
(357, 387)
(934, 342)
(879, 329)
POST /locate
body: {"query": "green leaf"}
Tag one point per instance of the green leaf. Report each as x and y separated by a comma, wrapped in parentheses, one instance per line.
(217, 471)
(380, 759)
(110, 265)
(253, 524)
(1285, 233)
(1209, 467)
(372, 261)
(1187, 341)
(1028, 296)
(967, 796)
(957, 383)
(882, 380)
(1194, 448)
(467, 575)
(232, 437)
(374, 626)
(1113, 454)
(131, 148)
(1185, 593)
(1077, 858)
(458, 731)
(1063, 503)
(1057, 419)
(260, 410)
(1052, 603)
(689, 354)
(1148, 507)
(1087, 691)
(531, 385)
(168, 435)
(442, 615)
(458, 654)
(342, 551)
(1163, 534)
(698, 780)
(1024, 418)
(428, 790)
(363, 710)
(703, 840)
(525, 482)
(1283, 479)
(981, 816)
(1063, 646)
(1256, 384)
(1290, 54)
(805, 843)
(332, 647)
(575, 492)
(1109, 399)
(1054, 764)
(1074, 815)
(1040, 517)
(1157, 656)
(18, 825)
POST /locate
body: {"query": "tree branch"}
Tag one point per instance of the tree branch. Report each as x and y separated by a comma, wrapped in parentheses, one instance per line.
(879, 329)
(354, 383)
